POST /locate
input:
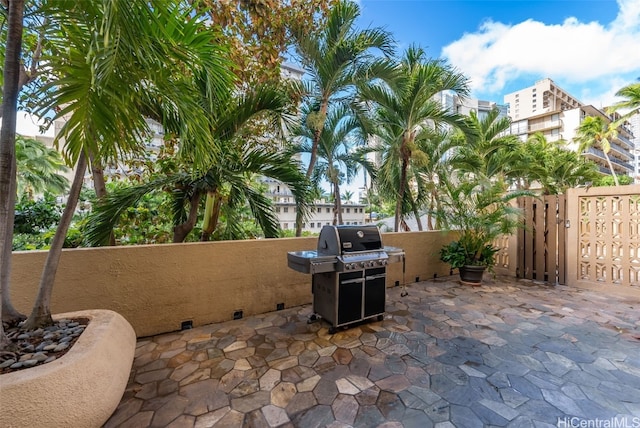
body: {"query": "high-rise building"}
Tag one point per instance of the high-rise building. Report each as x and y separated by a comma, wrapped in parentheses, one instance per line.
(548, 109)
(634, 122)
(455, 104)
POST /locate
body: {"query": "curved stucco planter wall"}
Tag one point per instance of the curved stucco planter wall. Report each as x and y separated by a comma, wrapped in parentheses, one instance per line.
(80, 389)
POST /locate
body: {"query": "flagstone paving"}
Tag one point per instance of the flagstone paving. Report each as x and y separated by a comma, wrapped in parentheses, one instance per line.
(513, 354)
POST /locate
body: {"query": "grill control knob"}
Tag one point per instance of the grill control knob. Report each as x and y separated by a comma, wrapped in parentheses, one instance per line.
(362, 264)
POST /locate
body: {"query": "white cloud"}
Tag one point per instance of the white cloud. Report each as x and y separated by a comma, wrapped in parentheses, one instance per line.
(590, 54)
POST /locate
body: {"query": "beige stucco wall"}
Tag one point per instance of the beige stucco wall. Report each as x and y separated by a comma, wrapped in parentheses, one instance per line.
(158, 287)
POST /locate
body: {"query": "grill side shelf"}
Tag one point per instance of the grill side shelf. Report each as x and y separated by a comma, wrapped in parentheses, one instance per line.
(310, 262)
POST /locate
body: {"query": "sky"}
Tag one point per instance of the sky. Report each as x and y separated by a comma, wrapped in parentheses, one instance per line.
(590, 48)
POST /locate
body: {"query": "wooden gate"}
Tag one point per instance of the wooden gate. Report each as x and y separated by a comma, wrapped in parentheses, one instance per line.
(542, 242)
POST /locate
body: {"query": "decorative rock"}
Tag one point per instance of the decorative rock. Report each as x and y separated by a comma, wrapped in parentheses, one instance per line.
(25, 357)
(16, 365)
(51, 358)
(41, 346)
(61, 347)
(50, 347)
(40, 356)
(7, 363)
(23, 336)
(29, 363)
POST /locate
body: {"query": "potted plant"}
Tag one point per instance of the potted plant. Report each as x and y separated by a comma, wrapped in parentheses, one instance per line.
(480, 211)
(470, 259)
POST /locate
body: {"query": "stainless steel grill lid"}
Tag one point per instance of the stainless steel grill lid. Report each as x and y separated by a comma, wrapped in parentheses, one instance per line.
(337, 240)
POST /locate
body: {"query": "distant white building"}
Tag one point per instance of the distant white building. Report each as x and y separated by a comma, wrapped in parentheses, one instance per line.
(321, 212)
(455, 104)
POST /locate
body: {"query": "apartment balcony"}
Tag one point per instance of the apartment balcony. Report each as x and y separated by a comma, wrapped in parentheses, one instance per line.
(624, 152)
(627, 129)
(604, 170)
(600, 155)
(621, 163)
(546, 125)
(627, 141)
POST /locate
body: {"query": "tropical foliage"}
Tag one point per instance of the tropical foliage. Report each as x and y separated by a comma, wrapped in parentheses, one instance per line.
(407, 113)
(341, 151)
(103, 93)
(597, 131)
(335, 60)
(259, 32)
(630, 102)
(39, 168)
(229, 183)
(553, 167)
(480, 210)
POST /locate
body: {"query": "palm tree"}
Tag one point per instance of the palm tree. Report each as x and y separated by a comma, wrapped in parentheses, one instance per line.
(334, 60)
(553, 166)
(39, 168)
(406, 112)
(338, 160)
(631, 93)
(595, 131)
(111, 62)
(431, 171)
(347, 195)
(230, 181)
(10, 91)
(489, 150)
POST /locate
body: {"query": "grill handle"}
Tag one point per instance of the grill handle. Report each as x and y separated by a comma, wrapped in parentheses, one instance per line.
(352, 281)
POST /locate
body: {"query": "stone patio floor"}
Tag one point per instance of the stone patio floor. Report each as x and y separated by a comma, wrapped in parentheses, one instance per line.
(508, 353)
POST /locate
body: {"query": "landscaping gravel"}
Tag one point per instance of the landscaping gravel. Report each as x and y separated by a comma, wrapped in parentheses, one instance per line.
(41, 346)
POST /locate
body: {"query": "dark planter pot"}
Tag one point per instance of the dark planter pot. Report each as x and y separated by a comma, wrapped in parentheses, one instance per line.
(472, 274)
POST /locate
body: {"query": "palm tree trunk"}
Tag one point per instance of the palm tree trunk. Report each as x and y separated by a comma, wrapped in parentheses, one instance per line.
(432, 206)
(613, 173)
(312, 159)
(181, 231)
(416, 214)
(316, 138)
(211, 215)
(41, 312)
(403, 185)
(100, 187)
(337, 202)
(10, 314)
(9, 112)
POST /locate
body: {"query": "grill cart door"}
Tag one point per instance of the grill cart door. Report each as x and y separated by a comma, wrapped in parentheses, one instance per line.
(350, 297)
(374, 292)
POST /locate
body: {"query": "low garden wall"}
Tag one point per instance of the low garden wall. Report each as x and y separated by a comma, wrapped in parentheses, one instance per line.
(159, 287)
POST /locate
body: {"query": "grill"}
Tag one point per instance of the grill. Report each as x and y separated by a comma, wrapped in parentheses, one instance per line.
(349, 270)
